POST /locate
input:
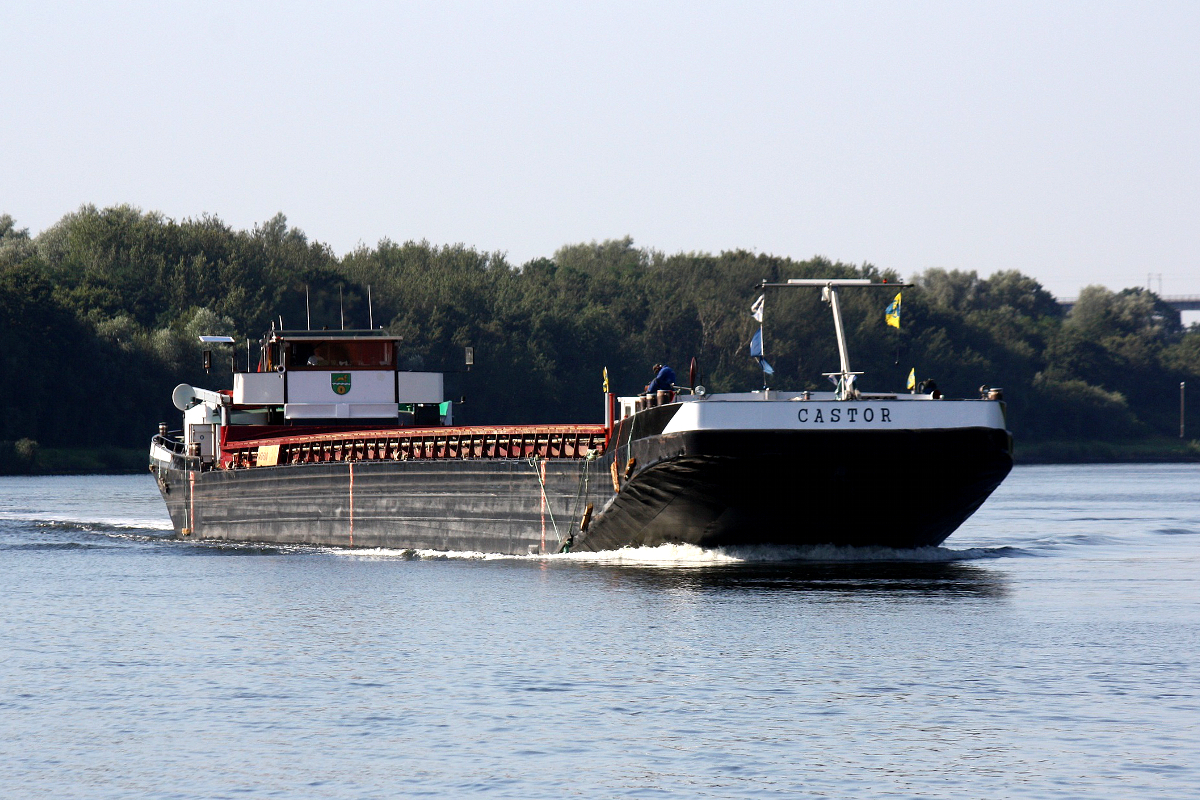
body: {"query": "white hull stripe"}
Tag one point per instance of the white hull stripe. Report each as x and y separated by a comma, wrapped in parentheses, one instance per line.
(755, 415)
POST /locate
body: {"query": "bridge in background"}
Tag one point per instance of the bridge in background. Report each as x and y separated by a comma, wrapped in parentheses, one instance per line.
(1189, 302)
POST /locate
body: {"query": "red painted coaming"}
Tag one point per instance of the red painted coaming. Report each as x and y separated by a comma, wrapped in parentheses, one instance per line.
(432, 442)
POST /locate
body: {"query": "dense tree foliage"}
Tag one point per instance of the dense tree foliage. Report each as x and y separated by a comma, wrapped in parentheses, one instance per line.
(99, 316)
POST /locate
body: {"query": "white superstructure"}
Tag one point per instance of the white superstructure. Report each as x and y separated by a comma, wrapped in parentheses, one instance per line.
(313, 378)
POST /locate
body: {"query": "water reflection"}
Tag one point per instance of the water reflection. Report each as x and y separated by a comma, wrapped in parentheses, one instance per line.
(954, 579)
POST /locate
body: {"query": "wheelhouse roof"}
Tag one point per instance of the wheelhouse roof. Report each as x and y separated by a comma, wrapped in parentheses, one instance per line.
(329, 336)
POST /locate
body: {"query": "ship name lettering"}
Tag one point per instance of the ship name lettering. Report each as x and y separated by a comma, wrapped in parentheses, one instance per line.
(835, 415)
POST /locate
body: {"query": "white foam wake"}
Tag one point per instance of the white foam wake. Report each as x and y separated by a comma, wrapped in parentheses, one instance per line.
(687, 555)
(690, 555)
(411, 554)
(73, 522)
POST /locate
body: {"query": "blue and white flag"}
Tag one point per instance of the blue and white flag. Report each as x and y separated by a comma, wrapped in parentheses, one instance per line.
(756, 352)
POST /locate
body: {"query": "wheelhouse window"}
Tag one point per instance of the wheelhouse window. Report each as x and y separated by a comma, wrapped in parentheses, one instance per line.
(345, 354)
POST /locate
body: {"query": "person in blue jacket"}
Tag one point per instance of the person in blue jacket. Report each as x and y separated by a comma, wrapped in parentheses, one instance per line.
(664, 379)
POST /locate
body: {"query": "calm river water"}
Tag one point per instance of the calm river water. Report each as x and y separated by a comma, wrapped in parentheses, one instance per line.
(1049, 650)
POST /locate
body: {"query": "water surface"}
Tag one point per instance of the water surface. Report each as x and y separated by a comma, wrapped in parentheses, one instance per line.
(1047, 651)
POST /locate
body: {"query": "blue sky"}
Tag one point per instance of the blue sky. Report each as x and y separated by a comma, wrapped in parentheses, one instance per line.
(1058, 139)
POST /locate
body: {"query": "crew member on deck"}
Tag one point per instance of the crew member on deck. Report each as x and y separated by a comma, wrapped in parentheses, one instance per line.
(664, 380)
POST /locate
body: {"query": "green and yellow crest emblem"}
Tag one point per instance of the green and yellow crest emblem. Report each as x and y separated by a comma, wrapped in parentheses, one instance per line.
(340, 381)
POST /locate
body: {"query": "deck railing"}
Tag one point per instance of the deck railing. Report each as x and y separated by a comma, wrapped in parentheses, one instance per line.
(180, 459)
(541, 441)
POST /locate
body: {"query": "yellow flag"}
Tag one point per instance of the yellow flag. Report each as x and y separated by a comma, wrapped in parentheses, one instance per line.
(912, 379)
(606, 380)
(892, 314)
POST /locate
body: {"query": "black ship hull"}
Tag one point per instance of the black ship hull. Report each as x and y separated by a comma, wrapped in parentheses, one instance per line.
(900, 489)
(903, 489)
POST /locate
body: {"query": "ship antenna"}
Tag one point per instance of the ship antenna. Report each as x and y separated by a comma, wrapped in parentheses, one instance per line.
(370, 310)
(342, 308)
(307, 309)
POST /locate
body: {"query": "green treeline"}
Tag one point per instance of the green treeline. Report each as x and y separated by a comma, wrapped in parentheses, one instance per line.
(99, 316)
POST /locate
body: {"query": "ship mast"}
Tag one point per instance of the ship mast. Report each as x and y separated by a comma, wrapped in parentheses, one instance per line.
(829, 293)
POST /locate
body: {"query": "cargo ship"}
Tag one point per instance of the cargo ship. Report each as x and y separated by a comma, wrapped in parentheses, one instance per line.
(325, 441)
